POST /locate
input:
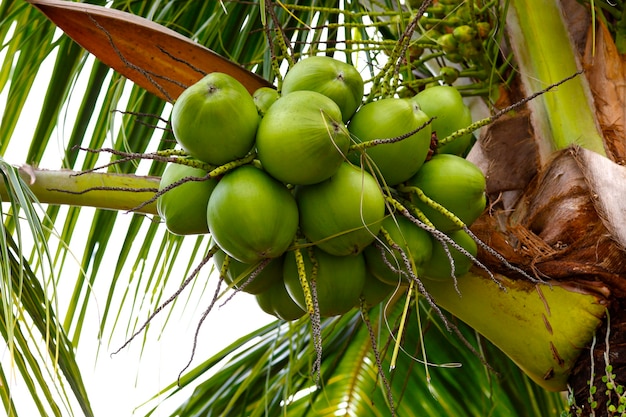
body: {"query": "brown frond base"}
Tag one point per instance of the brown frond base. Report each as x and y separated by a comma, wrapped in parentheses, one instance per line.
(558, 227)
(556, 232)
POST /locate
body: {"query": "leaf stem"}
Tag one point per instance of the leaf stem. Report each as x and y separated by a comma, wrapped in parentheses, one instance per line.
(566, 116)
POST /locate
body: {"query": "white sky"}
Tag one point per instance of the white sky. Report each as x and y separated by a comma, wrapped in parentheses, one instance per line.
(119, 384)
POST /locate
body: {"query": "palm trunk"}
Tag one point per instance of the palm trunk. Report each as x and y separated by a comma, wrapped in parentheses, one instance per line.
(560, 215)
(606, 71)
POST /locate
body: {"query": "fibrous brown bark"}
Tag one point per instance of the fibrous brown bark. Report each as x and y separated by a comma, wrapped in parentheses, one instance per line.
(564, 221)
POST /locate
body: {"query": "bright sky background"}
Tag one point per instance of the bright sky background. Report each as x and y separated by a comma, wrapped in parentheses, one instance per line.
(119, 384)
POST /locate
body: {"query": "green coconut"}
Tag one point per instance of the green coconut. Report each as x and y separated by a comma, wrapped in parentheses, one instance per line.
(335, 79)
(343, 214)
(386, 119)
(184, 207)
(339, 280)
(252, 216)
(215, 120)
(301, 139)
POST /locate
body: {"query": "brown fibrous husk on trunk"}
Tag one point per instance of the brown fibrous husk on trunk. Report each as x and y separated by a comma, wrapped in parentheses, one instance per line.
(563, 221)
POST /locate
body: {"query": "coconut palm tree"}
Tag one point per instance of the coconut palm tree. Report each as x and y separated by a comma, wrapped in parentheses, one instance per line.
(544, 319)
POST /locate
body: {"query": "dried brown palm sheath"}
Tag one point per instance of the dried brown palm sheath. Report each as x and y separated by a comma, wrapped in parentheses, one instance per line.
(158, 59)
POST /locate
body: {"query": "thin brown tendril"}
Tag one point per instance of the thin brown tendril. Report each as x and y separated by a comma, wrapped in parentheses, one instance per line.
(169, 300)
(379, 363)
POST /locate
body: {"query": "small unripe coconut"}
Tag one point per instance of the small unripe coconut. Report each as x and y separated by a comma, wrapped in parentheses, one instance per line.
(337, 80)
(184, 207)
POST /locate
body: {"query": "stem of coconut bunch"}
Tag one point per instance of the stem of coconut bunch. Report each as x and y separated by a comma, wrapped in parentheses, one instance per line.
(102, 190)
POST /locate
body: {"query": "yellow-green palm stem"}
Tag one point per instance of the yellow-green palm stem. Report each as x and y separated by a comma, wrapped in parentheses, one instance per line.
(229, 166)
(102, 190)
(433, 204)
(190, 162)
(564, 116)
(224, 267)
(542, 328)
(306, 289)
(405, 311)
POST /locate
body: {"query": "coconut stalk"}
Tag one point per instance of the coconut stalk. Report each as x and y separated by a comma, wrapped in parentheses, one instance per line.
(566, 116)
(531, 323)
(92, 189)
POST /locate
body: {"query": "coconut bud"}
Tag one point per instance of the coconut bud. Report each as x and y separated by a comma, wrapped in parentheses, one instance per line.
(448, 43)
(464, 34)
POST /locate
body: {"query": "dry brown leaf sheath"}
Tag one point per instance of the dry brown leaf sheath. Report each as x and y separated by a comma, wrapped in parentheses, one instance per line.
(158, 59)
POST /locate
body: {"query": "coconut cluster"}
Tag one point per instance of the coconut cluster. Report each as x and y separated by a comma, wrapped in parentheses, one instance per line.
(336, 198)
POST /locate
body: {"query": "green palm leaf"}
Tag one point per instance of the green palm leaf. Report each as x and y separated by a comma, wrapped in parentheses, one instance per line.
(458, 382)
(28, 313)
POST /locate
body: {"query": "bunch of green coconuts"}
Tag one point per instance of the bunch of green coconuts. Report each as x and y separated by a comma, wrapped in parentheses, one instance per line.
(314, 204)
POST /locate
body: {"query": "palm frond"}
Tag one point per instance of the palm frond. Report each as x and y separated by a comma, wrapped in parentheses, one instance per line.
(455, 382)
(29, 311)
